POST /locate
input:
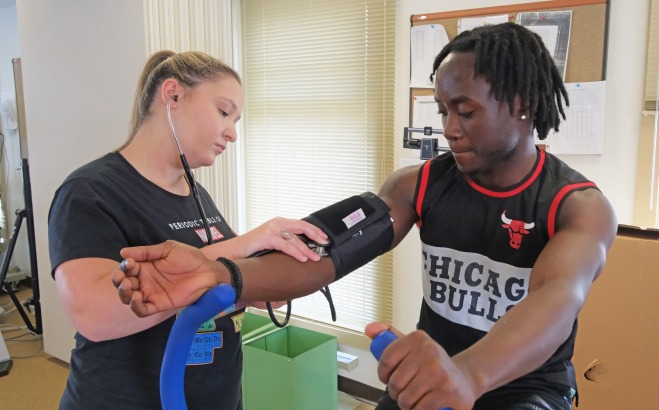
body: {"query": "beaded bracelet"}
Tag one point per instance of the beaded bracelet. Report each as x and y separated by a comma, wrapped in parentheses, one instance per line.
(236, 276)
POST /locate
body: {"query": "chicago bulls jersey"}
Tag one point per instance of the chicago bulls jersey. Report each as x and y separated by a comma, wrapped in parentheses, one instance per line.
(478, 248)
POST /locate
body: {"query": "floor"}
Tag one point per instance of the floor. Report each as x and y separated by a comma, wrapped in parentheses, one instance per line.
(347, 402)
(36, 380)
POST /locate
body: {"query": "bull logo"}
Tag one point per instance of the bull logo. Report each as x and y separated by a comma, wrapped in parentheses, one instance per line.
(516, 229)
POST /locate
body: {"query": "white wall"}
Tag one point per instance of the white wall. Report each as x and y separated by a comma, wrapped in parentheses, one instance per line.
(81, 60)
(9, 48)
(12, 181)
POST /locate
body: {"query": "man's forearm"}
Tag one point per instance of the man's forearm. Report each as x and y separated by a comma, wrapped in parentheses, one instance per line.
(277, 276)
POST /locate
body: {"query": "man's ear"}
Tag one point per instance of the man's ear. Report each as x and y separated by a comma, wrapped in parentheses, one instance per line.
(524, 114)
(521, 110)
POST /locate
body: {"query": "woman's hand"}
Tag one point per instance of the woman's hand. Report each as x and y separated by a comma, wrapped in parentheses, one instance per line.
(281, 234)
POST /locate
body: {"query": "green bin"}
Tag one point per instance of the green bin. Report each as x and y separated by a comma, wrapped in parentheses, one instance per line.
(290, 368)
(254, 325)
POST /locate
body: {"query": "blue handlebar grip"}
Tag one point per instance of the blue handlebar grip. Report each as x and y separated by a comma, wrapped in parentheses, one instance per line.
(381, 341)
(172, 371)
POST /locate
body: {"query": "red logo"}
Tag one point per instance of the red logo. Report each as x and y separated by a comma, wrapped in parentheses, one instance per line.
(217, 235)
(516, 229)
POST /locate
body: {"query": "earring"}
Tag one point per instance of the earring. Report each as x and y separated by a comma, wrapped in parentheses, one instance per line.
(523, 117)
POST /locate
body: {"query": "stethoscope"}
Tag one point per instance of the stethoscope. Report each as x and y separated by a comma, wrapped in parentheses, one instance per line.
(172, 373)
(219, 298)
(318, 248)
(188, 175)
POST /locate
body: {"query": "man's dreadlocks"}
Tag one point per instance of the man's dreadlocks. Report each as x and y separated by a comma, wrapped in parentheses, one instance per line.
(515, 62)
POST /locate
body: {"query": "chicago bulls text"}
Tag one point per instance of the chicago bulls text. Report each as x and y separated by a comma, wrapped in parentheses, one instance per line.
(469, 288)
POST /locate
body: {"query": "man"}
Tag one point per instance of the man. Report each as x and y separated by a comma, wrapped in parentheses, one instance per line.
(512, 239)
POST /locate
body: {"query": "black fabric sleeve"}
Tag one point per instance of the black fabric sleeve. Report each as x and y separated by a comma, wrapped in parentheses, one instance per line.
(82, 223)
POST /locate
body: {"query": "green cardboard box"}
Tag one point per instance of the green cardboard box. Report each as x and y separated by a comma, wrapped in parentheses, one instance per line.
(291, 368)
(255, 325)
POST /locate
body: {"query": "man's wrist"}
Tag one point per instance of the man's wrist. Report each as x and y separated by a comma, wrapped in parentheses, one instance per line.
(473, 375)
(235, 276)
(222, 274)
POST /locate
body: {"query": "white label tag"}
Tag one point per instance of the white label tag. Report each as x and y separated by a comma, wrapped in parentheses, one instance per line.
(354, 218)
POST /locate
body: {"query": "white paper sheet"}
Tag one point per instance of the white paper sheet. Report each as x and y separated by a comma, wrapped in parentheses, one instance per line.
(425, 112)
(549, 36)
(583, 130)
(554, 28)
(425, 115)
(469, 23)
(426, 41)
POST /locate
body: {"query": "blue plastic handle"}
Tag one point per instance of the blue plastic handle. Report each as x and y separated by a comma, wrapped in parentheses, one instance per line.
(172, 372)
(381, 341)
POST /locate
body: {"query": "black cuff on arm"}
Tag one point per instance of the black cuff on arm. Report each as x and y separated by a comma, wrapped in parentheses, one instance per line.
(360, 228)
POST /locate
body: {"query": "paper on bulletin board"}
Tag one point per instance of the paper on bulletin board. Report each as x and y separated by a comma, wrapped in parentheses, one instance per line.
(554, 28)
(469, 23)
(425, 112)
(583, 130)
(549, 36)
(425, 115)
(426, 41)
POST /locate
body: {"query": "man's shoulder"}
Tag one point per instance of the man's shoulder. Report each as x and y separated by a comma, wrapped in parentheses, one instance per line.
(439, 164)
(560, 170)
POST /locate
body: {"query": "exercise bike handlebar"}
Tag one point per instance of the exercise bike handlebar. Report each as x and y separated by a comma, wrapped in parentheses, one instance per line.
(381, 341)
(172, 372)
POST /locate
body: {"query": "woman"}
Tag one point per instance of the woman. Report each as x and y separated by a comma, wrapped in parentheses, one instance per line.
(185, 103)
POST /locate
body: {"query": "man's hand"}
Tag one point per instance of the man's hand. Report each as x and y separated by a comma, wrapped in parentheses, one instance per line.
(161, 277)
(419, 374)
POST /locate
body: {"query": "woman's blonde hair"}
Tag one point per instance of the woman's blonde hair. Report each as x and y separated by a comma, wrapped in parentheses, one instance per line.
(190, 68)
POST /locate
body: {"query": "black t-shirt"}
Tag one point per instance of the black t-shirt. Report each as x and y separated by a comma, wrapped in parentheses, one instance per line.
(107, 205)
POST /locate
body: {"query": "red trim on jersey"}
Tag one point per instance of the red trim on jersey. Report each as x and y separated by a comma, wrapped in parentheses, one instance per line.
(553, 209)
(515, 191)
(425, 173)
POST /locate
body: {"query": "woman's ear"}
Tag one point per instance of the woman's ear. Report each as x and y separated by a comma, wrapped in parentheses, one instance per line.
(170, 90)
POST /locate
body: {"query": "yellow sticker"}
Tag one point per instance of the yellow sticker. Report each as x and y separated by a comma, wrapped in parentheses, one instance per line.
(238, 321)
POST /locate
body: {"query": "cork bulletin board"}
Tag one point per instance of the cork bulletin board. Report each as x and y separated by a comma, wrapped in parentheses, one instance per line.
(587, 43)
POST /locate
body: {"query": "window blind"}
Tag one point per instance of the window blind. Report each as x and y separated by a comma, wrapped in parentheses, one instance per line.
(319, 92)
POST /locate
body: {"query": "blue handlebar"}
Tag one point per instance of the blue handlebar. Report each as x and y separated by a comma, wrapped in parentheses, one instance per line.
(381, 341)
(172, 372)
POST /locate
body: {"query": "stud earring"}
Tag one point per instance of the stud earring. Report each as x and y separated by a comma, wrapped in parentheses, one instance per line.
(523, 117)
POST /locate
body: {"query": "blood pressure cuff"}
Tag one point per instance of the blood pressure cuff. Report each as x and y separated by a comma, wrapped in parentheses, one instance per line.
(359, 228)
